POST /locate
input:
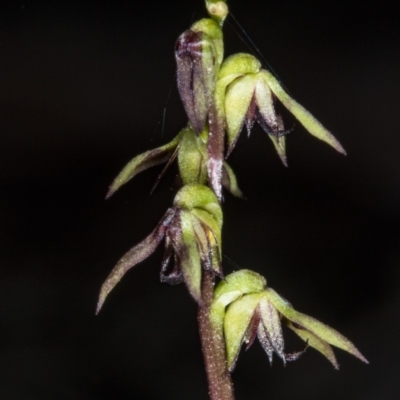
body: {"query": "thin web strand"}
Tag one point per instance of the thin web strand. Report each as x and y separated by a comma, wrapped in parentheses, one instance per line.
(253, 47)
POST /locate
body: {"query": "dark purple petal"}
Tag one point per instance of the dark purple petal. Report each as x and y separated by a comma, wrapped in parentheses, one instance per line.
(251, 116)
(134, 256)
(251, 332)
(195, 58)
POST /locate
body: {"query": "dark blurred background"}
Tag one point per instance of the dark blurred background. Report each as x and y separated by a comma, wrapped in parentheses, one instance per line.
(83, 87)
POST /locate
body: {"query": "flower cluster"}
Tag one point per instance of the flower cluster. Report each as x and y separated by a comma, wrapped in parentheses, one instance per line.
(244, 308)
(225, 95)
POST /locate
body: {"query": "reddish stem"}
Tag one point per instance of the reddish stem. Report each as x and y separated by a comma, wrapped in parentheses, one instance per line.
(213, 346)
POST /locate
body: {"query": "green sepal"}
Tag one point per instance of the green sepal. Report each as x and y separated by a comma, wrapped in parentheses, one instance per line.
(240, 63)
(237, 101)
(245, 281)
(199, 196)
(280, 147)
(144, 161)
(192, 158)
(190, 257)
(213, 232)
(319, 329)
(135, 255)
(217, 310)
(237, 319)
(230, 289)
(314, 341)
(232, 68)
(208, 219)
(312, 125)
(229, 181)
(214, 32)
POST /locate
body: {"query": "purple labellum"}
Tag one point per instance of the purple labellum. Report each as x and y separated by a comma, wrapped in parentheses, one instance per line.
(172, 276)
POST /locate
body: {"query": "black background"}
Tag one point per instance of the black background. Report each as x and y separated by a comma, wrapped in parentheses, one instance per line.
(82, 90)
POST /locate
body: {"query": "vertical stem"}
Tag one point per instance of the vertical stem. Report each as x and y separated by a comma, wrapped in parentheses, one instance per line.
(213, 346)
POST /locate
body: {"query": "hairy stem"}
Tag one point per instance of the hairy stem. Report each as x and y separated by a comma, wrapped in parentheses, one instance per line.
(213, 346)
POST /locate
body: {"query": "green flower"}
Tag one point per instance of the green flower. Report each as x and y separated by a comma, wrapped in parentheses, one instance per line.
(198, 54)
(250, 95)
(192, 233)
(245, 308)
(190, 150)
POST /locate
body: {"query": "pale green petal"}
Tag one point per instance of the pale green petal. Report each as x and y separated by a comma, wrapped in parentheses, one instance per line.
(237, 101)
(190, 257)
(237, 318)
(232, 68)
(301, 114)
(315, 342)
(217, 310)
(323, 331)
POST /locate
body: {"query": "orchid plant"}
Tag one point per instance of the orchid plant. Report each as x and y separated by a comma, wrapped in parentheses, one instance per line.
(221, 96)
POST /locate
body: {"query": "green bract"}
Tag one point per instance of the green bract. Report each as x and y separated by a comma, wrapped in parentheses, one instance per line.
(244, 308)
